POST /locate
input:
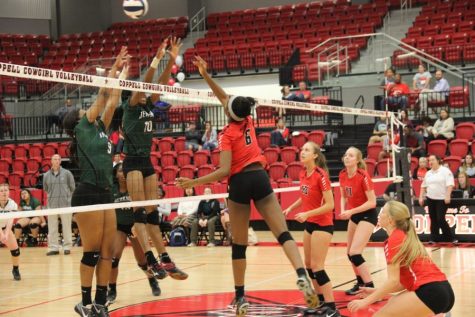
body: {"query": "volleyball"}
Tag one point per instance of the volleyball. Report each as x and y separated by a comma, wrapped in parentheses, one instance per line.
(135, 9)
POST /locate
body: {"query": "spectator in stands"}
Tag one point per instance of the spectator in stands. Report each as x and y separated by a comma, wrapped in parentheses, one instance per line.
(444, 127)
(3, 113)
(421, 79)
(280, 136)
(116, 159)
(397, 94)
(59, 184)
(421, 170)
(160, 113)
(208, 212)
(463, 185)
(439, 93)
(225, 222)
(303, 94)
(287, 95)
(404, 117)
(57, 117)
(386, 83)
(426, 128)
(380, 129)
(187, 211)
(193, 137)
(28, 202)
(468, 167)
(414, 141)
(210, 137)
(387, 144)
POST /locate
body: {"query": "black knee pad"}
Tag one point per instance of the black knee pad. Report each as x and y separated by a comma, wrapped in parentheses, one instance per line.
(90, 258)
(152, 218)
(356, 259)
(284, 237)
(15, 252)
(321, 277)
(144, 266)
(17, 226)
(349, 257)
(310, 274)
(115, 262)
(33, 225)
(140, 215)
(238, 251)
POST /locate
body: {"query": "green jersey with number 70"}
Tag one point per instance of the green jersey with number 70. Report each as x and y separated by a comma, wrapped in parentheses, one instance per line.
(137, 126)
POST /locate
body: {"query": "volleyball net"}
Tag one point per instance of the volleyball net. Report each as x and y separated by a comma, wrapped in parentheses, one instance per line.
(188, 105)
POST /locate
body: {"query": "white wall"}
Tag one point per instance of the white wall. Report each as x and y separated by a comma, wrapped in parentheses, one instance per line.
(25, 16)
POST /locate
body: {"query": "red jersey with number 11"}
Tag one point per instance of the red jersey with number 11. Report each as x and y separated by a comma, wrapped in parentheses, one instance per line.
(354, 188)
(240, 138)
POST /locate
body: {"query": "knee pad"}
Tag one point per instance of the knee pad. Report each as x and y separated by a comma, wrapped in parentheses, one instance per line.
(15, 252)
(115, 262)
(321, 277)
(90, 258)
(356, 259)
(310, 274)
(349, 257)
(238, 251)
(17, 226)
(140, 215)
(284, 237)
(152, 218)
(144, 267)
(33, 225)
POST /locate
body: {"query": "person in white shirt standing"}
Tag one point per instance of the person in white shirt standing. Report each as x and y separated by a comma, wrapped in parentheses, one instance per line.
(6, 234)
(59, 185)
(437, 188)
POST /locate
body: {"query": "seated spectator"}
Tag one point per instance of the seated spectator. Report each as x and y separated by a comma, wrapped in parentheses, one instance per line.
(440, 92)
(421, 79)
(226, 223)
(186, 212)
(280, 136)
(468, 167)
(193, 137)
(404, 117)
(444, 127)
(210, 137)
(287, 94)
(303, 94)
(386, 83)
(463, 185)
(421, 170)
(208, 212)
(426, 128)
(414, 141)
(387, 144)
(379, 130)
(116, 159)
(27, 203)
(397, 94)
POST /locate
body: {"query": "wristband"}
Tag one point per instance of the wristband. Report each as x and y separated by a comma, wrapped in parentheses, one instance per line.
(154, 63)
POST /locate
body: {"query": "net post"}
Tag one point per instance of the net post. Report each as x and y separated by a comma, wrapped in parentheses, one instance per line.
(403, 168)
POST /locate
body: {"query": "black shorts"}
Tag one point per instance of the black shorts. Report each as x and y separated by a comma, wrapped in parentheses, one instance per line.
(127, 229)
(438, 296)
(370, 216)
(87, 194)
(138, 163)
(310, 227)
(251, 185)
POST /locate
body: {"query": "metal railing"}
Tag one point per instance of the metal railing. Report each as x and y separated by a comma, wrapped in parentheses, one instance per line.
(198, 24)
(332, 60)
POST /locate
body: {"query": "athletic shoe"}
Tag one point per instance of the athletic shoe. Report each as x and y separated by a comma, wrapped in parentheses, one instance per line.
(156, 291)
(111, 295)
(211, 244)
(99, 310)
(322, 311)
(192, 244)
(354, 290)
(304, 285)
(157, 270)
(82, 310)
(241, 305)
(52, 252)
(174, 272)
(16, 274)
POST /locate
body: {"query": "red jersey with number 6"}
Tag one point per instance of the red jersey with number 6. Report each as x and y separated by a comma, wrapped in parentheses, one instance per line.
(420, 272)
(240, 138)
(354, 188)
(311, 193)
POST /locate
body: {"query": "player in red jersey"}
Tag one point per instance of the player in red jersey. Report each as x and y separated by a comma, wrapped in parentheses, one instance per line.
(409, 268)
(241, 160)
(358, 203)
(316, 202)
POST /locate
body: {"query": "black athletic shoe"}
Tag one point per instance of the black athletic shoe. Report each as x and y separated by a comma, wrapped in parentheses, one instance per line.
(157, 270)
(82, 310)
(156, 291)
(241, 305)
(323, 311)
(99, 310)
(354, 290)
(305, 286)
(16, 274)
(111, 295)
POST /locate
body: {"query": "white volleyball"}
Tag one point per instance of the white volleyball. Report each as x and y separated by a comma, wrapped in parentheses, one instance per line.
(135, 9)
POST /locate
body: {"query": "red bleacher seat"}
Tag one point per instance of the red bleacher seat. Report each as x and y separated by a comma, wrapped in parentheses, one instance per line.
(293, 170)
(30, 179)
(317, 136)
(373, 150)
(288, 154)
(165, 144)
(382, 167)
(204, 170)
(4, 167)
(454, 163)
(21, 151)
(298, 140)
(18, 165)
(168, 158)
(370, 166)
(180, 144)
(187, 171)
(63, 149)
(458, 97)
(155, 158)
(272, 154)
(50, 149)
(184, 158)
(200, 158)
(215, 157)
(437, 147)
(277, 170)
(458, 147)
(465, 130)
(169, 174)
(263, 139)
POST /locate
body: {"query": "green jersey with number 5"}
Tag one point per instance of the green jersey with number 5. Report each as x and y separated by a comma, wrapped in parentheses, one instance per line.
(94, 151)
(137, 124)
